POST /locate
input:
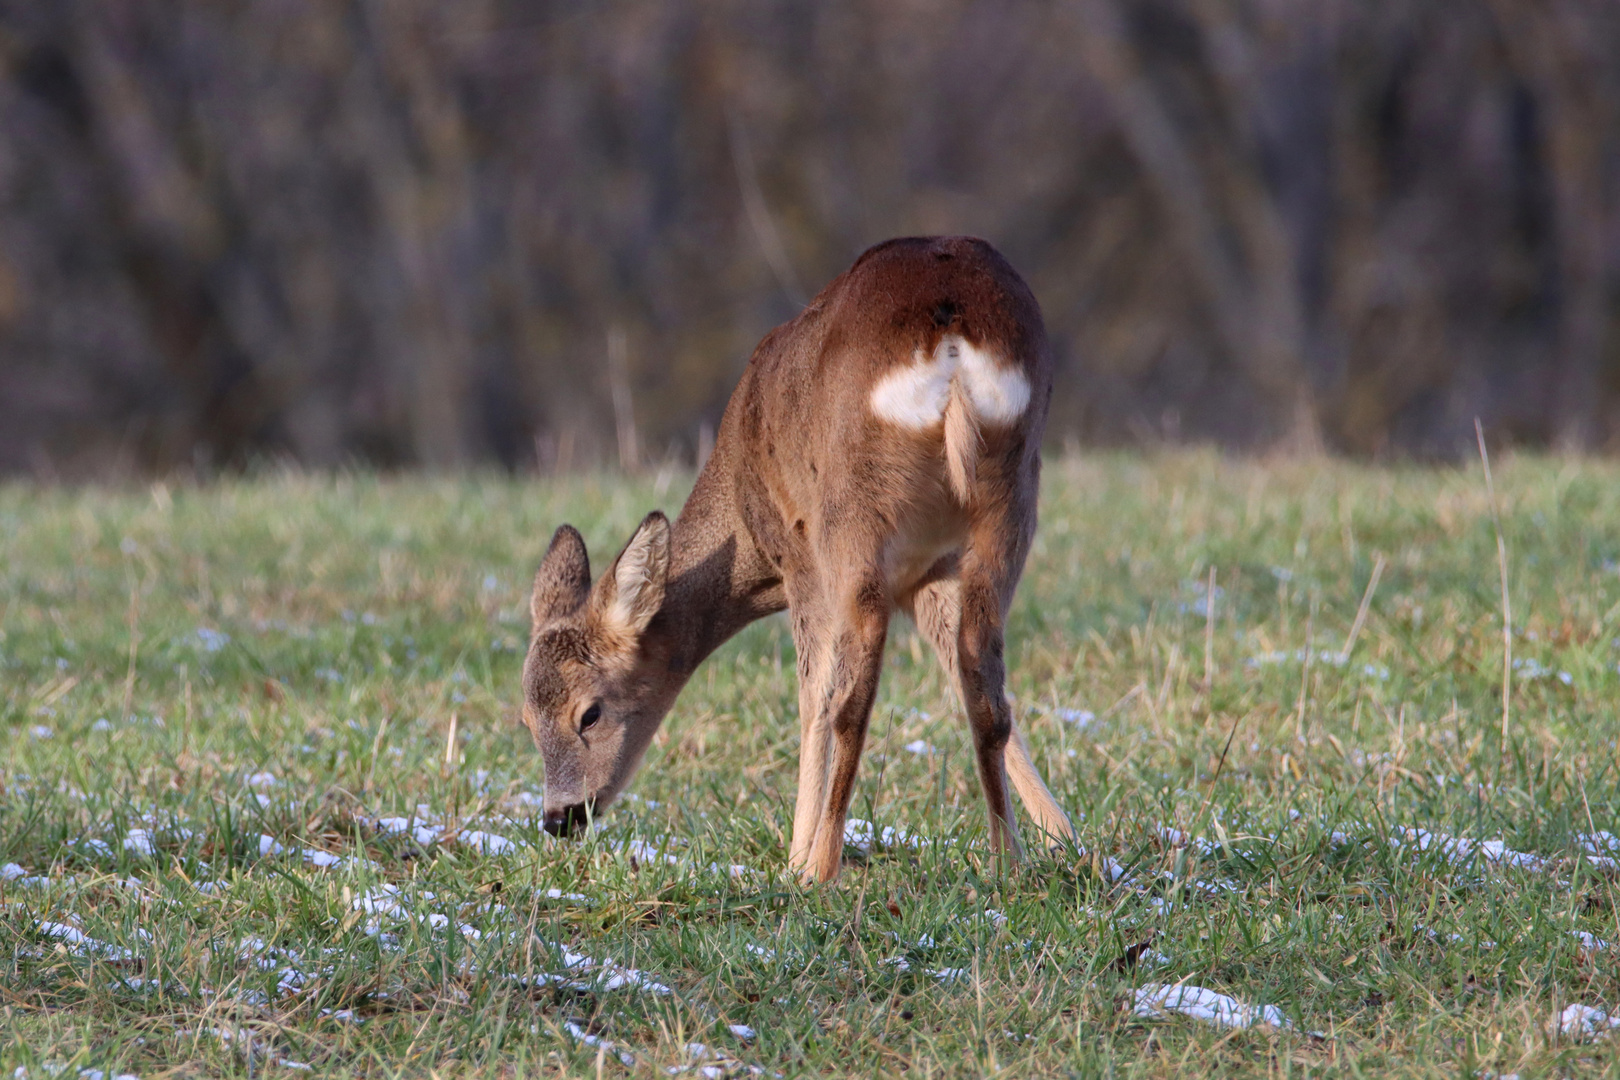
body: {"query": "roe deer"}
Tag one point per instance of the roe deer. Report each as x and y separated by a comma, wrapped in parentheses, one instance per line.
(882, 451)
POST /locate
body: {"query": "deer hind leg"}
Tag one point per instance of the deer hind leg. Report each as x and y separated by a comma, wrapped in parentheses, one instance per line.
(983, 680)
(936, 609)
(854, 662)
(814, 732)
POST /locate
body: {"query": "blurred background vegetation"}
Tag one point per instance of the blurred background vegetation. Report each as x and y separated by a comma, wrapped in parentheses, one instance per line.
(547, 234)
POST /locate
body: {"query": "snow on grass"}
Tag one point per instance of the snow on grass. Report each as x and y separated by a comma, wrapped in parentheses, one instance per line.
(859, 833)
(56, 1070)
(558, 894)
(76, 940)
(587, 974)
(1076, 718)
(269, 847)
(625, 1057)
(423, 831)
(1585, 1021)
(944, 974)
(11, 872)
(1460, 851)
(487, 843)
(1316, 656)
(389, 902)
(427, 828)
(642, 851)
(712, 1064)
(1159, 1000)
(286, 964)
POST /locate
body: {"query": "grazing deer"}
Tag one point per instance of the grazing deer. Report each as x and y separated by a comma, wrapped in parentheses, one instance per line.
(882, 451)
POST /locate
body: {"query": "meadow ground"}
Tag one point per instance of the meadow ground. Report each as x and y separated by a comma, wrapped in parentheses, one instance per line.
(235, 845)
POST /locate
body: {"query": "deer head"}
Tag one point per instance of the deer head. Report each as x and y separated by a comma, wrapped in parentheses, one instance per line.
(595, 683)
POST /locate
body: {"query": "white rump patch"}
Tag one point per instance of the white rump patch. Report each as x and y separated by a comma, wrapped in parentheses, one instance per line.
(916, 396)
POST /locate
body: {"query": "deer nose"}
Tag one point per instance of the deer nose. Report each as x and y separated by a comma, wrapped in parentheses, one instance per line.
(563, 822)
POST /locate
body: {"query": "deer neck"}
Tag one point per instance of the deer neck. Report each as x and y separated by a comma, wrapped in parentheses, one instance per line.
(719, 582)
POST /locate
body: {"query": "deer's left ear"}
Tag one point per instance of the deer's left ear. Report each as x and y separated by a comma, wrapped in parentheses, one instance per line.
(632, 591)
(564, 578)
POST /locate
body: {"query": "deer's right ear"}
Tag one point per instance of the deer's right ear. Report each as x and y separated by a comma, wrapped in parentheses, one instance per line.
(564, 579)
(632, 590)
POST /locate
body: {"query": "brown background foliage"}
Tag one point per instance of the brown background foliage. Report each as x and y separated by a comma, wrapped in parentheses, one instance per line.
(415, 232)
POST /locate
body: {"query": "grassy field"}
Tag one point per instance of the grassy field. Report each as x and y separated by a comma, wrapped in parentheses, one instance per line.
(266, 804)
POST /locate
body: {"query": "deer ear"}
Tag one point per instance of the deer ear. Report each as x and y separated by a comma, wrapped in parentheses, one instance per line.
(564, 579)
(632, 591)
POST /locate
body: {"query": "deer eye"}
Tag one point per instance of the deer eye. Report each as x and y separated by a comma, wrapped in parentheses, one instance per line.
(591, 716)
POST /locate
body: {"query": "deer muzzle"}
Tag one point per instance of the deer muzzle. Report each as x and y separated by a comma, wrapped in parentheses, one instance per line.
(563, 821)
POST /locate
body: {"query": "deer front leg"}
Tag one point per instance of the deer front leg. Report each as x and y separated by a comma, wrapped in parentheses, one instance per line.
(814, 733)
(854, 663)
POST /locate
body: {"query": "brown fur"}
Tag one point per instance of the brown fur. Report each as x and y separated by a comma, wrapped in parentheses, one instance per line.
(810, 502)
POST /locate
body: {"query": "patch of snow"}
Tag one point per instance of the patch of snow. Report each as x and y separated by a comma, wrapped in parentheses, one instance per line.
(1110, 866)
(1528, 667)
(1157, 1000)
(1316, 656)
(487, 843)
(1176, 838)
(859, 833)
(624, 1056)
(589, 974)
(900, 963)
(712, 1064)
(1585, 1021)
(382, 899)
(1460, 851)
(211, 640)
(642, 851)
(422, 831)
(56, 1070)
(78, 941)
(558, 894)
